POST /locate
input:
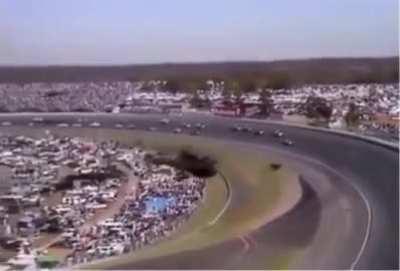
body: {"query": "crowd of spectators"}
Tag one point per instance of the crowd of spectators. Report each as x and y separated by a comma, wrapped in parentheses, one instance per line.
(64, 97)
(376, 102)
(164, 199)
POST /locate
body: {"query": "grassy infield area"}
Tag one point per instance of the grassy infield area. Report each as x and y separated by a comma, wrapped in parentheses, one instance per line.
(261, 190)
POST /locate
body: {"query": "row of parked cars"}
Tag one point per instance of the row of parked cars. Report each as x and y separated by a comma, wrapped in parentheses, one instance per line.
(277, 133)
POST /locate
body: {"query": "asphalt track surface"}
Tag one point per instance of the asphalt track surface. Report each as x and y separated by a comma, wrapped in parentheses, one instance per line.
(364, 175)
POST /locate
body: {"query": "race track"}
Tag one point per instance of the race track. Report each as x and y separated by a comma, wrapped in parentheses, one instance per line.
(348, 216)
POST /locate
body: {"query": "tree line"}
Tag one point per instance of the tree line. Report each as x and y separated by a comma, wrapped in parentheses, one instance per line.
(305, 71)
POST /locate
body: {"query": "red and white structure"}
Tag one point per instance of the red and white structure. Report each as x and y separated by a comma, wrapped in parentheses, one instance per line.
(236, 110)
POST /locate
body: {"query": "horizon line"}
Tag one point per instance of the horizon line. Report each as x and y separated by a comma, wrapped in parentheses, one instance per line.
(165, 63)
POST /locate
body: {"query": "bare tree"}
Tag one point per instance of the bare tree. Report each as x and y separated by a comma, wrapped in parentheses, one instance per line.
(353, 116)
(266, 103)
(318, 107)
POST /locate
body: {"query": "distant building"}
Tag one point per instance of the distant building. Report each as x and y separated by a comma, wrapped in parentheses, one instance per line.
(249, 109)
(171, 107)
(236, 110)
(386, 119)
(226, 110)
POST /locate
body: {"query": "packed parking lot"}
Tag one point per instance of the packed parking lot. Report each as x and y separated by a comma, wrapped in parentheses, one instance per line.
(89, 199)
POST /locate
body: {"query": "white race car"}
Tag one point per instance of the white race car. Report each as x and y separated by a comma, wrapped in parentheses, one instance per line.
(37, 119)
(177, 130)
(165, 121)
(6, 123)
(278, 133)
(94, 124)
(287, 142)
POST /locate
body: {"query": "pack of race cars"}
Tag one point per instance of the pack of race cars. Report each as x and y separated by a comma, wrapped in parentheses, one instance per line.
(192, 129)
(277, 134)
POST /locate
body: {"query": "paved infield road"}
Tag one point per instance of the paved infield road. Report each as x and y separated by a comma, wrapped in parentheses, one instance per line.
(340, 232)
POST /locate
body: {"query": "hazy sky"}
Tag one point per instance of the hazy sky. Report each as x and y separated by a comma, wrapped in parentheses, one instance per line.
(151, 31)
